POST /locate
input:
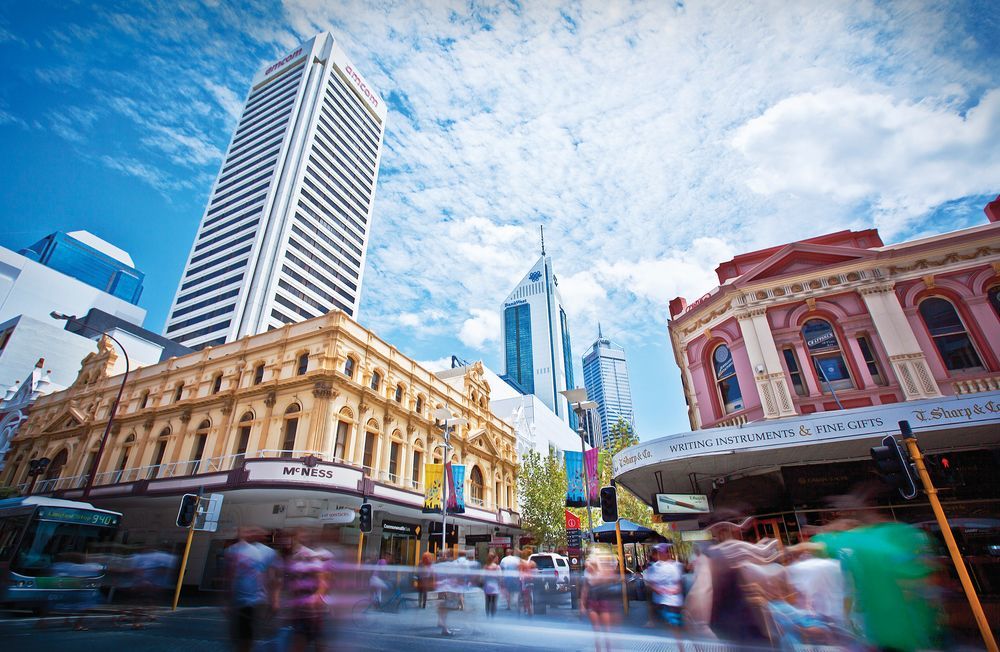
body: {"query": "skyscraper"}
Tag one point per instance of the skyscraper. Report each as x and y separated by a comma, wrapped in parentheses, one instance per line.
(605, 375)
(537, 354)
(285, 232)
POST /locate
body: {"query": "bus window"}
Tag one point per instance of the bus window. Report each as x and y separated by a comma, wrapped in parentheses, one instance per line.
(45, 541)
(10, 531)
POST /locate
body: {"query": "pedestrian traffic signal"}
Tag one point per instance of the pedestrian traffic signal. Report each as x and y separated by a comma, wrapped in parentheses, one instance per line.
(365, 518)
(894, 467)
(609, 504)
(187, 511)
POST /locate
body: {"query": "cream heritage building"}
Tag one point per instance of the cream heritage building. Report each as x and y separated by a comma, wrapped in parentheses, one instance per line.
(285, 233)
(286, 424)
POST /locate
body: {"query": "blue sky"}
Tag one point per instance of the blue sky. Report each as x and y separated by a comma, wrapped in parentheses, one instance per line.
(652, 139)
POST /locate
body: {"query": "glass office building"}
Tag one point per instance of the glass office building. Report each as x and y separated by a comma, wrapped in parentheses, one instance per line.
(87, 258)
(605, 375)
(285, 233)
(537, 352)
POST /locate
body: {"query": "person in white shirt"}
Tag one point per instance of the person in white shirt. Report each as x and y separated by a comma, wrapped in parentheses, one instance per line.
(820, 586)
(665, 577)
(509, 568)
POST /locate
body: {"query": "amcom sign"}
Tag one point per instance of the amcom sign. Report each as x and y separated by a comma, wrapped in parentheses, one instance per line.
(361, 85)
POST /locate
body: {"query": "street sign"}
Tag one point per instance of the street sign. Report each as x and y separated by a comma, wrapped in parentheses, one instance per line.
(337, 516)
(574, 539)
(572, 522)
(681, 504)
(209, 510)
(501, 541)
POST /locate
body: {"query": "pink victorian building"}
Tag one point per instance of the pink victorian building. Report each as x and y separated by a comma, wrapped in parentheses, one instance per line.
(842, 321)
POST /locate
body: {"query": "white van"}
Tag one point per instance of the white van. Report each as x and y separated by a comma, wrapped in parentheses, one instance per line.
(553, 570)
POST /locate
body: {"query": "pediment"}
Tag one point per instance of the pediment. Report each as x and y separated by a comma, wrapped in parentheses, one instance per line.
(801, 258)
(67, 420)
(480, 437)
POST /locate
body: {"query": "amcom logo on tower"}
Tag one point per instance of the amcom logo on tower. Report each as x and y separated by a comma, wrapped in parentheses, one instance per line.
(361, 85)
(283, 61)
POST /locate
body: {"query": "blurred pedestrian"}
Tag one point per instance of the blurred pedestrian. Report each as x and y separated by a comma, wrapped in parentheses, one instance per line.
(447, 580)
(252, 581)
(598, 597)
(526, 573)
(510, 570)
(491, 584)
(307, 586)
(889, 567)
(665, 577)
(425, 578)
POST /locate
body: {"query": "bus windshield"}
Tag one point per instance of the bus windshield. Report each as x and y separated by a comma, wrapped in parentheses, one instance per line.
(54, 547)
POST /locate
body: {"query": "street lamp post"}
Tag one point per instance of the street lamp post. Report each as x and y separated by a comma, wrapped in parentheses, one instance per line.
(448, 420)
(92, 472)
(577, 399)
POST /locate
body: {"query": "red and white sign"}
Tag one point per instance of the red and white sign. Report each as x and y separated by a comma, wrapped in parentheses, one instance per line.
(501, 541)
(572, 522)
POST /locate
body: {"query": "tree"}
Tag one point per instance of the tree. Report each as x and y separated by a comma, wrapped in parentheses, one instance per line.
(541, 485)
(629, 506)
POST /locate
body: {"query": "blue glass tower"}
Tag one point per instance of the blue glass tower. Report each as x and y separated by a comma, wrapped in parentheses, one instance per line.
(537, 353)
(87, 258)
(605, 375)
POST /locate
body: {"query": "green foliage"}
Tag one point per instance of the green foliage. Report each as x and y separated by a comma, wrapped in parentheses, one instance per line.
(541, 485)
(9, 492)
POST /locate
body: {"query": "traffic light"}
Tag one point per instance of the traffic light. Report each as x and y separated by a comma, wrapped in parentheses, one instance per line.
(609, 504)
(187, 511)
(365, 518)
(894, 467)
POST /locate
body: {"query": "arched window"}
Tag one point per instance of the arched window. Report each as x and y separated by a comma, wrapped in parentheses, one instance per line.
(178, 392)
(476, 486)
(994, 296)
(303, 364)
(826, 355)
(371, 439)
(243, 438)
(123, 460)
(198, 447)
(726, 382)
(416, 470)
(217, 383)
(399, 394)
(376, 381)
(343, 430)
(395, 448)
(144, 400)
(419, 408)
(56, 466)
(258, 374)
(949, 334)
(158, 453)
(290, 429)
(349, 367)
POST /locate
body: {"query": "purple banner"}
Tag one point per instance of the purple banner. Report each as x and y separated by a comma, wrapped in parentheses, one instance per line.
(593, 481)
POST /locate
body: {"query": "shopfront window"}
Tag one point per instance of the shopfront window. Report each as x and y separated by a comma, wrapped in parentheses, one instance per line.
(725, 379)
(827, 358)
(949, 334)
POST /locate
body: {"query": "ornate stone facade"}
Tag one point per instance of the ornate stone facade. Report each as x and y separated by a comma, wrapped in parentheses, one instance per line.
(326, 387)
(869, 296)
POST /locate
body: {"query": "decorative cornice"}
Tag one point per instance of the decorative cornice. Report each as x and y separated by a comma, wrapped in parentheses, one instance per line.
(878, 288)
(323, 389)
(926, 263)
(185, 415)
(270, 399)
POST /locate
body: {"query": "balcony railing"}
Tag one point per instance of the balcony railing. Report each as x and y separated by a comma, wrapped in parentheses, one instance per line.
(977, 385)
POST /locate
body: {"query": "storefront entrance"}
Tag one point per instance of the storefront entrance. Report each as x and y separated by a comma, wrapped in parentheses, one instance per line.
(400, 542)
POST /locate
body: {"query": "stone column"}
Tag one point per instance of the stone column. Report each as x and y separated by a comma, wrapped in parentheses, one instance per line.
(360, 432)
(265, 425)
(905, 355)
(769, 375)
(319, 438)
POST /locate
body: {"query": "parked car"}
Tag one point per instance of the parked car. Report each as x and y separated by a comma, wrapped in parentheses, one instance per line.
(552, 583)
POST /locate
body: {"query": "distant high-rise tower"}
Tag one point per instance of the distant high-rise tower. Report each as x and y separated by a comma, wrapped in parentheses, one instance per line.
(537, 354)
(285, 233)
(605, 375)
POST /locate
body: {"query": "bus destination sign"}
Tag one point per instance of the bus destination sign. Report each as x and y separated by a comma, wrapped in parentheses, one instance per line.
(82, 516)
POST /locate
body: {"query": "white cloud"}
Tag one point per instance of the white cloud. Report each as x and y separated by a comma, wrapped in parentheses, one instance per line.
(481, 328)
(226, 98)
(439, 364)
(901, 156)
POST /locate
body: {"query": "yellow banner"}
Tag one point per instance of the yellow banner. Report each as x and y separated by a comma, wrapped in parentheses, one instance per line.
(433, 480)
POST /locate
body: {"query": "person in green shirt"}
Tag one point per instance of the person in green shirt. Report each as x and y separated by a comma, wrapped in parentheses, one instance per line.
(888, 565)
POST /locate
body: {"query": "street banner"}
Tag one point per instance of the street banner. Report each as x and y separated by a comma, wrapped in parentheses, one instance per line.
(456, 488)
(433, 474)
(575, 490)
(593, 480)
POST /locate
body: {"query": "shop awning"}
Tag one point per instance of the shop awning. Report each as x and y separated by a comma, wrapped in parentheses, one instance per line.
(631, 533)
